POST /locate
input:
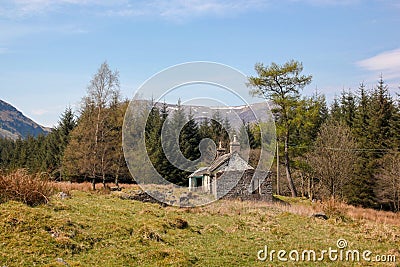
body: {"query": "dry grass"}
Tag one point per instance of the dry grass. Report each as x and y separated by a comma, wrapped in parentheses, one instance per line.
(338, 209)
(20, 186)
(67, 187)
(36, 189)
(333, 208)
(374, 215)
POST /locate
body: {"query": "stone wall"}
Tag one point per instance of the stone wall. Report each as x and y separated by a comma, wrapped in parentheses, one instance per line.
(247, 188)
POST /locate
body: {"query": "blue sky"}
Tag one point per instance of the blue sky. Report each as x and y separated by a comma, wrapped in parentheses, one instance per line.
(50, 49)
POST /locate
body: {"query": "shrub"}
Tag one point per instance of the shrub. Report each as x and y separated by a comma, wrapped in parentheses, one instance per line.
(21, 186)
(334, 208)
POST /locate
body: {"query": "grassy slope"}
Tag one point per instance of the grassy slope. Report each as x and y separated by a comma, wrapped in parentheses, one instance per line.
(103, 230)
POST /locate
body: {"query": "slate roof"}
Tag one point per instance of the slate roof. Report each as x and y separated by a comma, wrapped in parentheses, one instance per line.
(200, 172)
(218, 162)
(227, 162)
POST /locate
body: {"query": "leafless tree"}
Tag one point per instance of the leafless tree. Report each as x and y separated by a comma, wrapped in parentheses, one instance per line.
(333, 159)
(92, 141)
(388, 180)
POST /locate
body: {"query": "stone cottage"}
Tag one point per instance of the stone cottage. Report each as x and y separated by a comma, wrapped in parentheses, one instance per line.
(231, 177)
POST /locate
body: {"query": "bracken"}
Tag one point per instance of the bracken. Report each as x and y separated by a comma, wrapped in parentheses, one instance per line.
(20, 186)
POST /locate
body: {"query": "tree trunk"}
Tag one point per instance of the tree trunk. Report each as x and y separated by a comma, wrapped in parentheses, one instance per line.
(302, 184)
(277, 169)
(310, 187)
(95, 149)
(287, 166)
(116, 181)
(104, 181)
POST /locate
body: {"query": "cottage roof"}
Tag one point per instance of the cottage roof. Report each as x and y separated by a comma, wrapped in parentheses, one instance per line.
(237, 163)
(227, 162)
(199, 172)
(219, 162)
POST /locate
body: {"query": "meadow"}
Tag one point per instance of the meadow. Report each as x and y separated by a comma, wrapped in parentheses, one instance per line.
(101, 229)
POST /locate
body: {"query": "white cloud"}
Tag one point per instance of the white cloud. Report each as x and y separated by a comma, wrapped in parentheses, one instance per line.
(166, 9)
(387, 62)
(180, 8)
(328, 2)
(172, 9)
(31, 8)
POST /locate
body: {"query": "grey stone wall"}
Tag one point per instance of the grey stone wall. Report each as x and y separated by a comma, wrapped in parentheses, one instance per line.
(226, 185)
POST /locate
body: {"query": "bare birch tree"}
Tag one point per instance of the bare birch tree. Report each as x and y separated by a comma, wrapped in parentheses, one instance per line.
(333, 159)
(388, 180)
(92, 141)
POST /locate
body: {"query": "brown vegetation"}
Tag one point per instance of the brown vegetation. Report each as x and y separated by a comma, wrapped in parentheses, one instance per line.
(388, 189)
(332, 160)
(85, 186)
(340, 210)
(335, 209)
(21, 186)
(36, 189)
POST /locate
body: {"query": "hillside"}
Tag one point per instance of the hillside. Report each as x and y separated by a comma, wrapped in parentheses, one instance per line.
(92, 229)
(14, 125)
(235, 114)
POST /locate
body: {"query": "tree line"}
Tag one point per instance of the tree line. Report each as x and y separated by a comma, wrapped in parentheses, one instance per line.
(40, 154)
(88, 146)
(347, 150)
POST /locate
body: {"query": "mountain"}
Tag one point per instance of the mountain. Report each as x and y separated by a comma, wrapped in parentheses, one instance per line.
(235, 114)
(14, 125)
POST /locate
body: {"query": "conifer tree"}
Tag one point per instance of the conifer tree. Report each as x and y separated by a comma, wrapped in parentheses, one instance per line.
(153, 141)
(243, 135)
(176, 125)
(57, 141)
(204, 128)
(335, 110)
(216, 127)
(281, 85)
(189, 145)
(249, 132)
(190, 139)
(395, 126)
(348, 108)
(361, 118)
(226, 132)
(256, 132)
(380, 115)
(361, 190)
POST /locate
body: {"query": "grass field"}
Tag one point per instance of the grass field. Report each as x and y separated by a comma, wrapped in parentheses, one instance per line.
(93, 229)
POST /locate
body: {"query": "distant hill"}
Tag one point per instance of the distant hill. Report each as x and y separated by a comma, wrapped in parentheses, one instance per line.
(247, 113)
(14, 125)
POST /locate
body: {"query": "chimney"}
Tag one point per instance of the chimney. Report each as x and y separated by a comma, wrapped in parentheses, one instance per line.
(220, 150)
(234, 145)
